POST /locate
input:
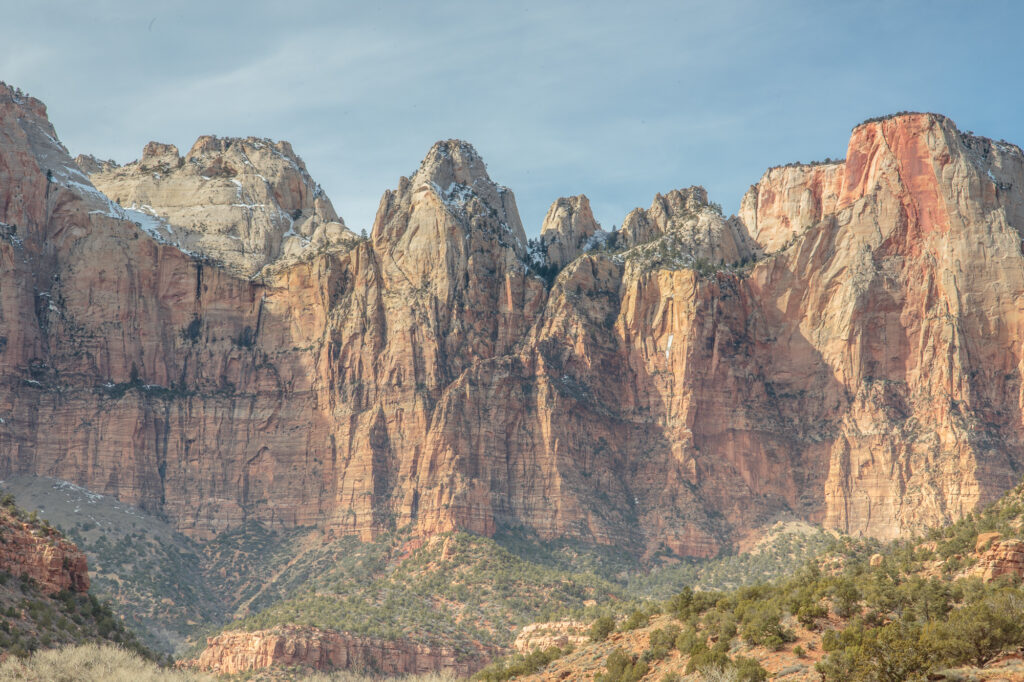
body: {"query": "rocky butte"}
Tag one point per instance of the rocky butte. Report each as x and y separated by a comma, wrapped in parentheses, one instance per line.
(202, 337)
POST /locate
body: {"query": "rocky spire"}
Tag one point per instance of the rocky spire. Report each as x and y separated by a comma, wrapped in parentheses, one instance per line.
(567, 229)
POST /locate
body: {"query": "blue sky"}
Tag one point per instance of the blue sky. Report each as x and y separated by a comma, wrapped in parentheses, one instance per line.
(615, 100)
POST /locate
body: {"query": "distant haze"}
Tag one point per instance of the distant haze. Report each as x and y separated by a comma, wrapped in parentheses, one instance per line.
(614, 100)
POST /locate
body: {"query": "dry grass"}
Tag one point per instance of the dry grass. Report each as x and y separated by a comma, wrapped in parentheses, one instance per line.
(345, 676)
(92, 663)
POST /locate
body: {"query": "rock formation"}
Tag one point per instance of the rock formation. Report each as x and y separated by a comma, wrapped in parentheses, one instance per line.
(236, 652)
(1004, 557)
(986, 540)
(562, 634)
(684, 222)
(42, 554)
(569, 229)
(865, 373)
(789, 200)
(244, 203)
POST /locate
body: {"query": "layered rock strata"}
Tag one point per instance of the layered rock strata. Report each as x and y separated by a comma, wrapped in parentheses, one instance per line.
(542, 636)
(1004, 557)
(865, 374)
(235, 652)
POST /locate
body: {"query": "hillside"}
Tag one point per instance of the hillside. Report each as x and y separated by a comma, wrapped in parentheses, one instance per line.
(172, 590)
(463, 599)
(44, 590)
(946, 605)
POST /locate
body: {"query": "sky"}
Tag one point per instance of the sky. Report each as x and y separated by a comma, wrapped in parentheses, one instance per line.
(615, 100)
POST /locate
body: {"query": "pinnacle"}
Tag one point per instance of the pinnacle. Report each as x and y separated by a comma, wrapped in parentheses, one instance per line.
(453, 161)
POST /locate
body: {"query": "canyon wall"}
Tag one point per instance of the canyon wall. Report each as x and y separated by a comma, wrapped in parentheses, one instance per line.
(844, 351)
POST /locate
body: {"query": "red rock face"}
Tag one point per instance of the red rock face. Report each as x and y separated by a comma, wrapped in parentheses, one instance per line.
(51, 561)
(236, 652)
(790, 199)
(1004, 557)
(866, 376)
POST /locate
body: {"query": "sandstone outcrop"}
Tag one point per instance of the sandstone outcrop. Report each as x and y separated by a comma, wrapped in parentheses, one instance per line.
(243, 202)
(541, 636)
(42, 554)
(789, 200)
(236, 652)
(1003, 557)
(986, 540)
(865, 374)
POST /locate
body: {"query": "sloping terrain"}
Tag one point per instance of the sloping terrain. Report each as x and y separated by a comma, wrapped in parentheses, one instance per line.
(171, 590)
(138, 562)
(944, 606)
(44, 590)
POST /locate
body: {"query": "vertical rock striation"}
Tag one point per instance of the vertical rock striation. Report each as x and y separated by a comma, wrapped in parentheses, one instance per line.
(864, 374)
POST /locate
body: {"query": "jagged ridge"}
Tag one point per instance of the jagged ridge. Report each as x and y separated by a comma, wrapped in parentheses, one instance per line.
(425, 377)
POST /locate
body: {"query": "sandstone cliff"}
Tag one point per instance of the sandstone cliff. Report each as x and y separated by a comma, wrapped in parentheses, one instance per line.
(865, 374)
(236, 652)
(789, 200)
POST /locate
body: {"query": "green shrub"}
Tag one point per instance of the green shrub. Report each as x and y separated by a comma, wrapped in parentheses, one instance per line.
(637, 619)
(518, 665)
(708, 659)
(749, 670)
(665, 637)
(978, 632)
(622, 667)
(601, 628)
(762, 628)
(688, 641)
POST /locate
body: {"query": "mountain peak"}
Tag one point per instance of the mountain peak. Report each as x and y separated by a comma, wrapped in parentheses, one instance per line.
(455, 173)
(568, 227)
(453, 162)
(245, 202)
